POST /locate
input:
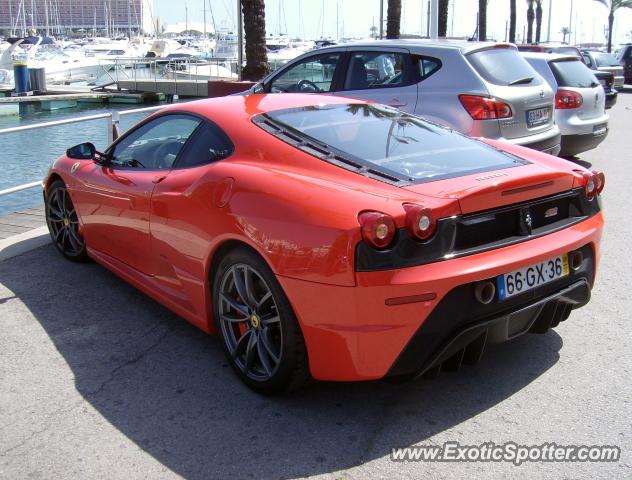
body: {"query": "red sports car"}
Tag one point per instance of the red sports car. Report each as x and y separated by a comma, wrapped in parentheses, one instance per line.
(332, 238)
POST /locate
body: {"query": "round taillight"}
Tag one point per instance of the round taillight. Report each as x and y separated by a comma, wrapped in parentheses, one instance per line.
(378, 229)
(600, 179)
(590, 185)
(420, 221)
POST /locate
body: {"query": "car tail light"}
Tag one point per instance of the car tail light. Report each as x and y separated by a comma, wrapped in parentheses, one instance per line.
(485, 108)
(593, 183)
(378, 229)
(566, 99)
(420, 221)
(601, 180)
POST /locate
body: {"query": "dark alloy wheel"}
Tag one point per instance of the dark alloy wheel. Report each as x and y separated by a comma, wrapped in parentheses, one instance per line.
(63, 223)
(259, 332)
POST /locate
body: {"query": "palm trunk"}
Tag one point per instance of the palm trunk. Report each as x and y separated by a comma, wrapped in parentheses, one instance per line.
(255, 34)
(482, 20)
(512, 21)
(538, 20)
(530, 18)
(444, 5)
(610, 25)
(393, 18)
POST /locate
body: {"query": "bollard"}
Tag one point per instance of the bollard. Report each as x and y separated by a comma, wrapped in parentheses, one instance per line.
(21, 78)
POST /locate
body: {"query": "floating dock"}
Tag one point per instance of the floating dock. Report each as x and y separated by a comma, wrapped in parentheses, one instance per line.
(62, 98)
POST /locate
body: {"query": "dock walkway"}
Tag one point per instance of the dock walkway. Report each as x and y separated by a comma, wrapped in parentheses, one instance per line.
(21, 222)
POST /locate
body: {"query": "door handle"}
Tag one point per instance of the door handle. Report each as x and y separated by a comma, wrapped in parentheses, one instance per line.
(158, 178)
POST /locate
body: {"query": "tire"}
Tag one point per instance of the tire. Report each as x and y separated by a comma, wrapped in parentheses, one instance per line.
(63, 223)
(260, 335)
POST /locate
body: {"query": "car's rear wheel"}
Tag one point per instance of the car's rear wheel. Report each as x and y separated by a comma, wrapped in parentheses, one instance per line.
(63, 223)
(257, 326)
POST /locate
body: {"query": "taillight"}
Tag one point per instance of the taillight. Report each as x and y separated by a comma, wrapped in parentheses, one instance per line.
(601, 180)
(593, 183)
(420, 221)
(566, 99)
(378, 229)
(485, 108)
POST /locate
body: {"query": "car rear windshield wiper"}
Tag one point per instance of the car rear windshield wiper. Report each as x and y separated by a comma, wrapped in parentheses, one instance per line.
(521, 81)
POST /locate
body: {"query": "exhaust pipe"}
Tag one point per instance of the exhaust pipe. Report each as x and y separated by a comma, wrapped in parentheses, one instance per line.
(576, 259)
(485, 291)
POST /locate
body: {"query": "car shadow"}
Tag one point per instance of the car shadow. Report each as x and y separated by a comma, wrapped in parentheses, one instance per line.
(166, 386)
(579, 161)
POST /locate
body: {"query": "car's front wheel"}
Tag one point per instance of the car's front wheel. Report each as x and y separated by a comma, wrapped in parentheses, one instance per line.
(63, 223)
(256, 324)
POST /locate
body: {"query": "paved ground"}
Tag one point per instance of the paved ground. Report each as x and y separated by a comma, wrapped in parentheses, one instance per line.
(98, 381)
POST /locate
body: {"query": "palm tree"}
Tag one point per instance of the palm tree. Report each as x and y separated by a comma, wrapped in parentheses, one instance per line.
(512, 21)
(538, 20)
(255, 34)
(565, 31)
(482, 20)
(444, 5)
(613, 6)
(530, 18)
(393, 18)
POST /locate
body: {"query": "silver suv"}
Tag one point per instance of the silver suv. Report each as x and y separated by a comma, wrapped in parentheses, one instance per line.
(481, 89)
(580, 100)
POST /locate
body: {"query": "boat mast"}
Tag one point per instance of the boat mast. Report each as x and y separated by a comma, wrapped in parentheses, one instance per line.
(11, 17)
(46, 18)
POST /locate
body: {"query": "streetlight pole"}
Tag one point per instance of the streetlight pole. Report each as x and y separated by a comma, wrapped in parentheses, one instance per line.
(434, 19)
(381, 19)
(548, 28)
(240, 40)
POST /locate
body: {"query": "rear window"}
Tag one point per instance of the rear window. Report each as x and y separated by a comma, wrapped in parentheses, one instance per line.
(377, 138)
(606, 60)
(503, 66)
(573, 73)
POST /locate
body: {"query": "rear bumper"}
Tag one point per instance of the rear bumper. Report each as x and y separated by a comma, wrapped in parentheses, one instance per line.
(548, 142)
(611, 98)
(353, 333)
(575, 144)
(434, 347)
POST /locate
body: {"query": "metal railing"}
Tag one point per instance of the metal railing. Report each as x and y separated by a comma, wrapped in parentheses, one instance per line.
(113, 118)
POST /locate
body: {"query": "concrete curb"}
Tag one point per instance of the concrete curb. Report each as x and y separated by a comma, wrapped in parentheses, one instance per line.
(23, 243)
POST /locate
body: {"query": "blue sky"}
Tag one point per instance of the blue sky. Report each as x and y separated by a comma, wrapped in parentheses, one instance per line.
(311, 18)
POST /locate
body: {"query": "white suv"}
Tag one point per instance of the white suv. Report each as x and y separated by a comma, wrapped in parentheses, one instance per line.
(580, 100)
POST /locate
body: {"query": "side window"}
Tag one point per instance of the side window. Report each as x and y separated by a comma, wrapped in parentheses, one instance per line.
(428, 66)
(207, 145)
(312, 75)
(376, 70)
(587, 60)
(155, 145)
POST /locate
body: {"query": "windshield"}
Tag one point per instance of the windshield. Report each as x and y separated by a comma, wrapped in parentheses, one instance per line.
(387, 140)
(573, 73)
(606, 60)
(503, 66)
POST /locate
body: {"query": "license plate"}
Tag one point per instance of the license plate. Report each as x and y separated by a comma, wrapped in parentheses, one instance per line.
(528, 278)
(600, 129)
(539, 116)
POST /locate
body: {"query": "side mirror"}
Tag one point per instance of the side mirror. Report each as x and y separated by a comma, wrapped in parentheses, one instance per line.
(259, 88)
(83, 151)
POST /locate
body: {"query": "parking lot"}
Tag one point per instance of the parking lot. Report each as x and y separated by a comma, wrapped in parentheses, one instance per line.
(99, 381)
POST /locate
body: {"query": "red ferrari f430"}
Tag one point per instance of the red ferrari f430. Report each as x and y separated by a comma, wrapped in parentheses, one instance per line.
(332, 238)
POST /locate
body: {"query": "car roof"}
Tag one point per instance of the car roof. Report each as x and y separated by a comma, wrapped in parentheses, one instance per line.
(248, 106)
(464, 46)
(550, 57)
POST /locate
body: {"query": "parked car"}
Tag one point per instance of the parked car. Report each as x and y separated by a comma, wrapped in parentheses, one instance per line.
(580, 110)
(607, 82)
(329, 237)
(480, 89)
(605, 62)
(624, 55)
(609, 87)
